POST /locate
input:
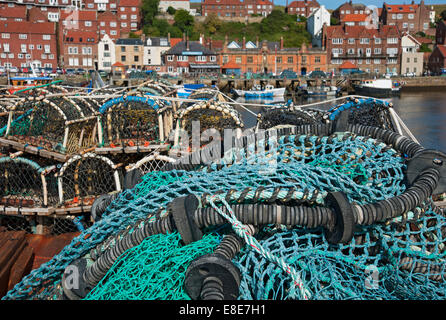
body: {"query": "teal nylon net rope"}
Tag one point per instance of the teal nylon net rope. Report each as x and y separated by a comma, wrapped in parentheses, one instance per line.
(363, 168)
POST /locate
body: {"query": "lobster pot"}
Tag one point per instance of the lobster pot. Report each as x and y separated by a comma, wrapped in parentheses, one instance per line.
(80, 135)
(83, 178)
(210, 116)
(26, 187)
(150, 163)
(133, 124)
(43, 126)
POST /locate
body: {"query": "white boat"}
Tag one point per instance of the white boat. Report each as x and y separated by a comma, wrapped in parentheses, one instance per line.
(258, 92)
(323, 90)
(377, 88)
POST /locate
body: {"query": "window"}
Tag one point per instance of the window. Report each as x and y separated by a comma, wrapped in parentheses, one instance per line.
(170, 69)
(408, 60)
(23, 48)
(88, 23)
(405, 25)
(411, 26)
(367, 61)
(169, 58)
(136, 58)
(364, 41)
(415, 60)
(377, 40)
(122, 58)
(279, 59)
(133, 17)
(72, 50)
(289, 60)
(377, 61)
(23, 36)
(351, 40)
(123, 24)
(336, 40)
(425, 25)
(133, 9)
(5, 35)
(317, 59)
(31, 46)
(350, 51)
(410, 16)
(122, 48)
(392, 40)
(392, 51)
(20, 56)
(123, 16)
(6, 47)
(392, 61)
(106, 47)
(113, 24)
(238, 59)
(102, 23)
(377, 51)
(113, 33)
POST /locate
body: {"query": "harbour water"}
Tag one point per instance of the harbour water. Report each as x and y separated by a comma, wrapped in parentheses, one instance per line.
(424, 113)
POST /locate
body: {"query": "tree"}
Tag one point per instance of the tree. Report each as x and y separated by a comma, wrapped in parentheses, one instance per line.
(424, 48)
(171, 10)
(183, 20)
(443, 15)
(149, 10)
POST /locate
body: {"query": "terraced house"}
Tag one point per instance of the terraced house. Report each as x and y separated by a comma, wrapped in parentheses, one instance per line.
(25, 42)
(271, 57)
(370, 50)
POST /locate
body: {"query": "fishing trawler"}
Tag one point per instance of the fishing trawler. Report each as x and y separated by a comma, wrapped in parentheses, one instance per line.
(258, 92)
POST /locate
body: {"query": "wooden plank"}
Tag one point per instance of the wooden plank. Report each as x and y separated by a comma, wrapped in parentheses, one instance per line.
(16, 247)
(26, 211)
(14, 240)
(21, 267)
(106, 150)
(34, 150)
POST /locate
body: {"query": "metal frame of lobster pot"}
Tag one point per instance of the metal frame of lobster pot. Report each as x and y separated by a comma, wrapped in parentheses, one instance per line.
(83, 178)
(133, 124)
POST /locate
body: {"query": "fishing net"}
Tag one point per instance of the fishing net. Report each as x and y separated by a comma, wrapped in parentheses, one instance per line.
(396, 250)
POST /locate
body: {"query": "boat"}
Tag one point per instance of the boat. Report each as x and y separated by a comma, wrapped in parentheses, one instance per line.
(19, 83)
(258, 92)
(323, 90)
(377, 88)
(184, 91)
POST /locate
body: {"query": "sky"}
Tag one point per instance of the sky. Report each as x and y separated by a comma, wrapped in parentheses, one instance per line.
(333, 4)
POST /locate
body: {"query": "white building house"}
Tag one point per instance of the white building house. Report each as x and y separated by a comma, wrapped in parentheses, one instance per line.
(154, 49)
(411, 59)
(176, 4)
(315, 23)
(106, 53)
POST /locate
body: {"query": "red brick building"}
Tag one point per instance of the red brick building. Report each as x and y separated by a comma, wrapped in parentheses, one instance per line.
(25, 42)
(349, 8)
(129, 15)
(236, 8)
(302, 7)
(108, 23)
(437, 59)
(16, 13)
(440, 32)
(371, 50)
(101, 5)
(79, 49)
(407, 17)
(190, 57)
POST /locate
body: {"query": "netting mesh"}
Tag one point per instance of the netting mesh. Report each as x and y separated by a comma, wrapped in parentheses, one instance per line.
(152, 264)
(400, 259)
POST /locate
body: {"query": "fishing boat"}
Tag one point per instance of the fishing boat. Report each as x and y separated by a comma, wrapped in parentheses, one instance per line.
(19, 83)
(184, 91)
(378, 88)
(323, 90)
(258, 92)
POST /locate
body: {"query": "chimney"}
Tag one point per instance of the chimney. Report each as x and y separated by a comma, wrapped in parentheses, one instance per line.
(244, 43)
(168, 38)
(281, 43)
(257, 41)
(187, 43)
(184, 37)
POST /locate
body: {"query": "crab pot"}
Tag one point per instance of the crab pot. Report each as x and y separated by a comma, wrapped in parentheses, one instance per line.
(26, 187)
(132, 122)
(83, 178)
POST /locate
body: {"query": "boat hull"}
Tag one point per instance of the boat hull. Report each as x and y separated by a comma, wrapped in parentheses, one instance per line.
(375, 92)
(278, 92)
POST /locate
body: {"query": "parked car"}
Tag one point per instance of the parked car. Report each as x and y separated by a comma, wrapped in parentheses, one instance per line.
(13, 69)
(25, 70)
(60, 71)
(409, 74)
(103, 73)
(70, 72)
(317, 74)
(80, 71)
